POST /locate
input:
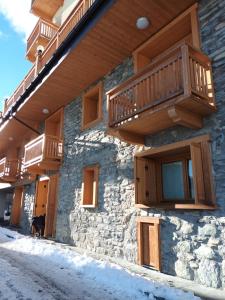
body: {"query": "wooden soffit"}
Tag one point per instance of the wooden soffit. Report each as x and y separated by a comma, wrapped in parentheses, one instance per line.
(104, 46)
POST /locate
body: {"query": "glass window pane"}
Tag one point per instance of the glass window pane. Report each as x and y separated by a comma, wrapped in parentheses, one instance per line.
(191, 182)
(173, 185)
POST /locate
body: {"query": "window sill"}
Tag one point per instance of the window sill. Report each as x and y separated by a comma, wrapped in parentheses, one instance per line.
(88, 205)
(91, 124)
(172, 206)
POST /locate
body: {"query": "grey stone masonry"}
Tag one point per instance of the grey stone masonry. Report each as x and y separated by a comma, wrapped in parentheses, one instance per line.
(28, 206)
(192, 242)
(110, 228)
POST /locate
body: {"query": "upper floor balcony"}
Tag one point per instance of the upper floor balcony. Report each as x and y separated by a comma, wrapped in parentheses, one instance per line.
(53, 44)
(8, 169)
(45, 9)
(41, 35)
(43, 153)
(175, 88)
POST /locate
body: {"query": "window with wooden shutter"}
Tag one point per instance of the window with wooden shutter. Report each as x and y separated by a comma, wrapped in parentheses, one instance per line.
(145, 181)
(90, 186)
(148, 237)
(177, 176)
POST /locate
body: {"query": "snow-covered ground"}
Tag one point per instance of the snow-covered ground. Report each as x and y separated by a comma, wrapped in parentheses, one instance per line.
(38, 269)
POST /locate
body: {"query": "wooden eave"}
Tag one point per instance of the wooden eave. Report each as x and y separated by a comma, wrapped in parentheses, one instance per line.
(107, 41)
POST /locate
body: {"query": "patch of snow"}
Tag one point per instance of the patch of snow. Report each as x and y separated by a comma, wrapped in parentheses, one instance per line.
(108, 276)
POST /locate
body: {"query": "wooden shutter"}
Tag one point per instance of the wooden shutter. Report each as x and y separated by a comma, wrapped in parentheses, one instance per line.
(17, 206)
(145, 181)
(148, 236)
(51, 206)
(198, 176)
(207, 173)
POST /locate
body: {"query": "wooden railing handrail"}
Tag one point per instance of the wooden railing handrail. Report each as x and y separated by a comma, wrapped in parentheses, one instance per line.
(37, 30)
(48, 52)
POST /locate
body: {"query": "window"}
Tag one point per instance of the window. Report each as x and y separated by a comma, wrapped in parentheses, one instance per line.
(177, 179)
(175, 176)
(90, 186)
(148, 238)
(92, 107)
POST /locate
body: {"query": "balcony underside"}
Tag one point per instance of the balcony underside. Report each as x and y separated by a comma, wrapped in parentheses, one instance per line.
(45, 9)
(40, 167)
(185, 111)
(8, 179)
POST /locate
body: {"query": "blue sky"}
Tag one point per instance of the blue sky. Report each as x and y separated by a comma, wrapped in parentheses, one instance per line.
(13, 65)
(16, 23)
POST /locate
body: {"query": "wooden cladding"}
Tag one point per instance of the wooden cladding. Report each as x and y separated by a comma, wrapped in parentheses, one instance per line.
(92, 106)
(178, 76)
(90, 186)
(51, 206)
(9, 169)
(45, 148)
(43, 32)
(76, 15)
(17, 206)
(148, 237)
(150, 184)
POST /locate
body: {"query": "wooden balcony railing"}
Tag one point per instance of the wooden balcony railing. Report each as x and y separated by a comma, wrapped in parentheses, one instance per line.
(42, 30)
(8, 169)
(73, 19)
(43, 148)
(181, 71)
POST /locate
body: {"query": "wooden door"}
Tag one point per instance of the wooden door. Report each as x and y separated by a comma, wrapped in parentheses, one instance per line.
(41, 198)
(51, 207)
(17, 206)
(150, 247)
(149, 242)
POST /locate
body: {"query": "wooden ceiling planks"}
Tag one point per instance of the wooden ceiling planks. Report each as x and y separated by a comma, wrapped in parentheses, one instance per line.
(106, 45)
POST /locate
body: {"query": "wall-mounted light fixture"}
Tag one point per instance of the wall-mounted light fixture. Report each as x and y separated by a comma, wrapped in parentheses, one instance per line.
(142, 23)
(45, 111)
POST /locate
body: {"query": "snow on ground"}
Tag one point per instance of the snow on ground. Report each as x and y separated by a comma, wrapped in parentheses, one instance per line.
(72, 267)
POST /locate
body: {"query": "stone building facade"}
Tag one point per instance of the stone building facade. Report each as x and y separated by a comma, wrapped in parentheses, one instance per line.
(192, 242)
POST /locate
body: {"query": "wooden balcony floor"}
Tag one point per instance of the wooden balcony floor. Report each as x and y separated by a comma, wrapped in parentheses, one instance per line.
(185, 111)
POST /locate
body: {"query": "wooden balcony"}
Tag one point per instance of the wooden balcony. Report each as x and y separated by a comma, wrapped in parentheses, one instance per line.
(43, 153)
(8, 169)
(45, 9)
(176, 88)
(41, 35)
(73, 19)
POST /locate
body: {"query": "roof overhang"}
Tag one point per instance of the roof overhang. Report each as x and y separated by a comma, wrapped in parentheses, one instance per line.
(101, 41)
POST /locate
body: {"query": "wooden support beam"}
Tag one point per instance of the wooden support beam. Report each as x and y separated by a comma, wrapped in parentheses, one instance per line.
(128, 137)
(184, 117)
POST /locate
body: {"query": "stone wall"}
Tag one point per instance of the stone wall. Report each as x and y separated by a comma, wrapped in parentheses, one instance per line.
(27, 211)
(193, 242)
(109, 228)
